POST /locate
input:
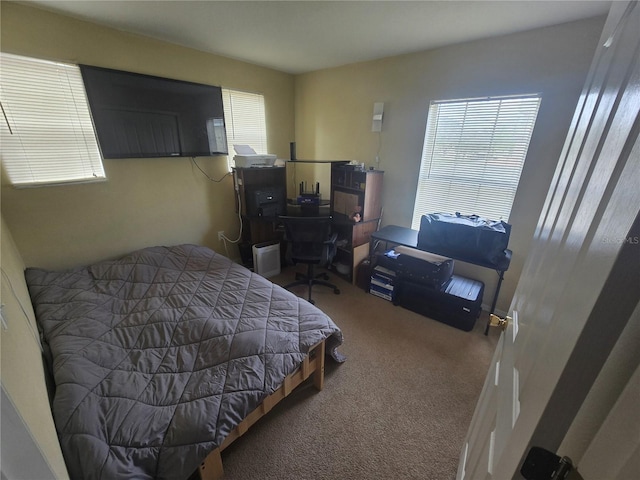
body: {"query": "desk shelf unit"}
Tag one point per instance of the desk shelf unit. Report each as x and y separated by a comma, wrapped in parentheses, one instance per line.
(246, 179)
(256, 229)
(354, 191)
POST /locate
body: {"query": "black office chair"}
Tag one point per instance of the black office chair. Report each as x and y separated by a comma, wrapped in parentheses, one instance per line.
(309, 241)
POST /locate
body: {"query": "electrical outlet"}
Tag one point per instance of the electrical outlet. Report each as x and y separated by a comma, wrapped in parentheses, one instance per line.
(221, 235)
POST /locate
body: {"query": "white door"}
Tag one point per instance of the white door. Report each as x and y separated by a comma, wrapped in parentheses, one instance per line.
(566, 311)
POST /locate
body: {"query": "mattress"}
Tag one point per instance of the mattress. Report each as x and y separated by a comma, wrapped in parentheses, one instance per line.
(158, 355)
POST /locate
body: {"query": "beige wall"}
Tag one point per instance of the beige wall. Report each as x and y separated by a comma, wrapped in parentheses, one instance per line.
(145, 201)
(22, 371)
(334, 110)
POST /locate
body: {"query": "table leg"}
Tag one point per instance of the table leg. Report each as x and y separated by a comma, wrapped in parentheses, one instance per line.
(495, 298)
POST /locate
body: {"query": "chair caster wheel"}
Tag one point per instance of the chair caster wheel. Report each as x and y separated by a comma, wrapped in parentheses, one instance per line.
(336, 291)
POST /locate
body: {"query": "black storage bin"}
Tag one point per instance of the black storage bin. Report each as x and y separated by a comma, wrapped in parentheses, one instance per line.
(458, 303)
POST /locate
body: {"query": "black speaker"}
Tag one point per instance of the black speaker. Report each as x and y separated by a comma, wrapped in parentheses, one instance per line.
(292, 150)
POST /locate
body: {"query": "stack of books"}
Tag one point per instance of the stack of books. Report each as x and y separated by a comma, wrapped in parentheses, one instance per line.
(382, 281)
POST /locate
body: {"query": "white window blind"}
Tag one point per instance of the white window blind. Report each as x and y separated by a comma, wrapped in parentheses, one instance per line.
(46, 129)
(244, 120)
(473, 155)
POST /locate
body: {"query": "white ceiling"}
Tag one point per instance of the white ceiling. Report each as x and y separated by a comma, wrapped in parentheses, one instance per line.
(302, 36)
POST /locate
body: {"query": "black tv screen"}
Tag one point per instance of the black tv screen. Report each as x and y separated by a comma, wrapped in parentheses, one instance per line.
(138, 115)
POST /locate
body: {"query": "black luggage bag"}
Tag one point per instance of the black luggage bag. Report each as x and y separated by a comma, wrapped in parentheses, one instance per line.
(423, 268)
(465, 237)
(458, 303)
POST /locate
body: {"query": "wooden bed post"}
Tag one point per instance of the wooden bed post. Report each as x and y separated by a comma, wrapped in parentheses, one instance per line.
(318, 374)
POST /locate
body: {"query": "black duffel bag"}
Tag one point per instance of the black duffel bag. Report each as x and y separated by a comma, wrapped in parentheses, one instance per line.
(466, 237)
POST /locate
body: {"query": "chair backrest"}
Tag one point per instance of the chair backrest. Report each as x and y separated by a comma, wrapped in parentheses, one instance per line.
(308, 239)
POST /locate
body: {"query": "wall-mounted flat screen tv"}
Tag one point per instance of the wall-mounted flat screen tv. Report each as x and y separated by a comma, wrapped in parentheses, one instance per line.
(138, 115)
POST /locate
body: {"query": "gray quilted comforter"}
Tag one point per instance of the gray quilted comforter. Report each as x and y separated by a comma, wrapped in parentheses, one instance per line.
(157, 356)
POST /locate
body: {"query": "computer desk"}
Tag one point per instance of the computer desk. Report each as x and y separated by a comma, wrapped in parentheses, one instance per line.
(396, 235)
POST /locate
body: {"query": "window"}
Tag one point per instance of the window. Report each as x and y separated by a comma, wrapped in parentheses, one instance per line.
(244, 120)
(46, 130)
(473, 154)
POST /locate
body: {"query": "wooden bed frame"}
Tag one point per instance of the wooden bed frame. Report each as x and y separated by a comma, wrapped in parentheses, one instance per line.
(313, 364)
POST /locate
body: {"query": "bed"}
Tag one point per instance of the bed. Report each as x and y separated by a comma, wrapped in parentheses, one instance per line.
(162, 357)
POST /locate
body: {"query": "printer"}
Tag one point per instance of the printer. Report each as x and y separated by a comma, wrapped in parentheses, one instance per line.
(246, 157)
(254, 160)
(265, 201)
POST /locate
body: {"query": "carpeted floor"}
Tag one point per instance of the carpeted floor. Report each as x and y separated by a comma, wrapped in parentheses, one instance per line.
(398, 408)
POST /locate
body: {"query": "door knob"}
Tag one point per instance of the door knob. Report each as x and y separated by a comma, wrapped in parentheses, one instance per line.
(496, 321)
